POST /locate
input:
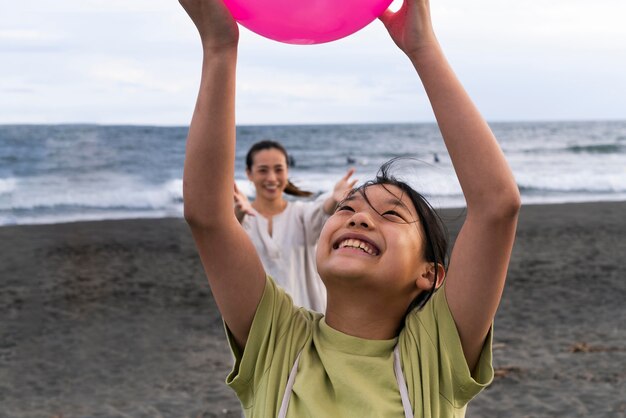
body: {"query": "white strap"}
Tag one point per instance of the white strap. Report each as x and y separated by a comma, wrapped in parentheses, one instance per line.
(282, 413)
(397, 368)
(404, 393)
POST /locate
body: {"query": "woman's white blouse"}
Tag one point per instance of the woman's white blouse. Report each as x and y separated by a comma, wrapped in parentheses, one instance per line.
(289, 254)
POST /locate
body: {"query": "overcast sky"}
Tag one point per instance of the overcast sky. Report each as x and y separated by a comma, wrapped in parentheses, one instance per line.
(138, 62)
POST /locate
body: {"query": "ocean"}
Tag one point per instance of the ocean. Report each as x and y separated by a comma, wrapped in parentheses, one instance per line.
(66, 173)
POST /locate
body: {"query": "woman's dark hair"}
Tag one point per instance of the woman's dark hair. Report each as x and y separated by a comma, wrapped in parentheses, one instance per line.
(435, 233)
(290, 189)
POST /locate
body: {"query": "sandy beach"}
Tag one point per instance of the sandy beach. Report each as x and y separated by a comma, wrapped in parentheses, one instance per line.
(116, 319)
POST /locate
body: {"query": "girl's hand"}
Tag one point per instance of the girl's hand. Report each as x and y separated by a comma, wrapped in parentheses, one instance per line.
(242, 205)
(410, 27)
(217, 28)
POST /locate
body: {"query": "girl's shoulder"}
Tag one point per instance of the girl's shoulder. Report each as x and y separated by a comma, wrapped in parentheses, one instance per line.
(429, 323)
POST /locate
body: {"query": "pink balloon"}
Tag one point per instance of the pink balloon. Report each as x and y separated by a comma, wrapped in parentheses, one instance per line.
(306, 21)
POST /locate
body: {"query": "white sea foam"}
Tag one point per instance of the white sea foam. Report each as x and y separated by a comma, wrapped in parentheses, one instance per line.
(41, 192)
(7, 185)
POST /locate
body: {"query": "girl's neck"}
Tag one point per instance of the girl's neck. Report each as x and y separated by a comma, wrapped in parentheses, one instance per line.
(373, 319)
(269, 208)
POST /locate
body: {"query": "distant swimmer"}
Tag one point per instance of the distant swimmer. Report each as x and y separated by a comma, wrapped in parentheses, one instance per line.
(360, 161)
(435, 157)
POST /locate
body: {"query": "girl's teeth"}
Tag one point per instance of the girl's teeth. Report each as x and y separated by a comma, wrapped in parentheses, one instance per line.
(358, 245)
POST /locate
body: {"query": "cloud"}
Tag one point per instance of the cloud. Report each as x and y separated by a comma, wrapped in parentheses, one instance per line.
(131, 74)
(560, 23)
(17, 35)
(27, 40)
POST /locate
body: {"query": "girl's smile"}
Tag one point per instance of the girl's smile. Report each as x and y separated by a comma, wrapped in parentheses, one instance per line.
(356, 242)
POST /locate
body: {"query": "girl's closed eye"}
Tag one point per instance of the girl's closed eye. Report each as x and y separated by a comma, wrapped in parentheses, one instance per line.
(344, 207)
(394, 216)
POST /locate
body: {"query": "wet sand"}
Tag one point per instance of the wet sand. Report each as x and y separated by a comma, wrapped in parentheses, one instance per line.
(115, 319)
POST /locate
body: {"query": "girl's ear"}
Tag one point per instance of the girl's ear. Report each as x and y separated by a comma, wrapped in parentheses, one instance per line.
(249, 174)
(426, 279)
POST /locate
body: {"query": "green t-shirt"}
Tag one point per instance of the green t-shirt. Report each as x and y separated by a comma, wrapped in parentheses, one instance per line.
(341, 376)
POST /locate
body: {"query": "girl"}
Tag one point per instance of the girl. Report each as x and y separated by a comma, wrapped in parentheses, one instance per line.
(383, 349)
(284, 232)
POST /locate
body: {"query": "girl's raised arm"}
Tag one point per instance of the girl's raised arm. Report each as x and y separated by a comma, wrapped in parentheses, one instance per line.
(480, 258)
(235, 273)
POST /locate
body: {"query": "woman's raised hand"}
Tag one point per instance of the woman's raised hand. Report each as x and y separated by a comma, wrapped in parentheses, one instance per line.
(343, 186)
(217, 28)
(242, 204)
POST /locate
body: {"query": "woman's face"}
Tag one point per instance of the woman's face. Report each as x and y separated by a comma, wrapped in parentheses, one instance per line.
(268, 173)
(384, 253)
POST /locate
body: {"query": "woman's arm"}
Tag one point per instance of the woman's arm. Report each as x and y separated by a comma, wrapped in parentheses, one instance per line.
(234, 270)
(480, 258)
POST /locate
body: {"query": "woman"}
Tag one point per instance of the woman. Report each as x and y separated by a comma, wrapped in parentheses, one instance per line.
(388, 344)
(285, 232)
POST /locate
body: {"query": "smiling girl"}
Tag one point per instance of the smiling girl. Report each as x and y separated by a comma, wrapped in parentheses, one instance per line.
(394, 341)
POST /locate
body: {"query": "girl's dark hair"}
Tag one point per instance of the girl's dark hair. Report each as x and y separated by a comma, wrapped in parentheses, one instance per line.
(435, 233)
(290, 189)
